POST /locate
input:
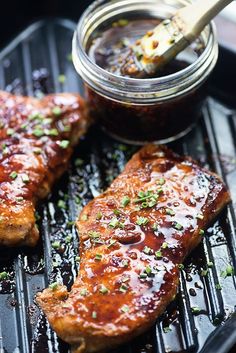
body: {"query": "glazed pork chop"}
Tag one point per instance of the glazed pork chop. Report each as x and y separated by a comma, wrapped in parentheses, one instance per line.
(36, 139)
(133, 238)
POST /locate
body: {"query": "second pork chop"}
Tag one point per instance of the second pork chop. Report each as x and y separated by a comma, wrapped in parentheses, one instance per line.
(36, 139)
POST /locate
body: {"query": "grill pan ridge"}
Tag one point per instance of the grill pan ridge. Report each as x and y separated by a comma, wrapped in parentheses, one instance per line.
(37, 61)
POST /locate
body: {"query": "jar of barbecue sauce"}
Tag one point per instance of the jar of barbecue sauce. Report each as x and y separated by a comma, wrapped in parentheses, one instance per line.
(139, 110)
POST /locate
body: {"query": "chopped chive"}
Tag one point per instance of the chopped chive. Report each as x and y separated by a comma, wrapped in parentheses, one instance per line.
(158, 254)
(147, 250)
(61, 78)
(94, 314)
(210, 264)
(61, 204)
(181, 266)
(56, 111)
(84, 292)
(56, 245)
(99, 216)
(79, 162)
(195, 310)
(125, 201)
(98, 257)
(13, 175)
(10, 132)
(148, 270)
(94, 234)
(142, 221)
(37, 150)
(164, 245)
(125, 263)
(51, 132)
(111, 243)
(143, 275)
(77, 259)
(116, 212)
(123, 288)
(38, 132)
(124, 309)
(229, 270)
(201, 232)
(161, 181)
(218, 286)
(3, 275)
(155, 226)
(84, 217)
(53, 286)
(199, 216)
(178, 226)
(19, 198)
(68, 239)
(103, 289)
(170, 212)
(64, 144)
(114, 223)
(166, 329)
(204, 272)
(25, 178)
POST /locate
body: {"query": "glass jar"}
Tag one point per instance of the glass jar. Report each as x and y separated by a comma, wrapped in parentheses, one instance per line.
(142, 110)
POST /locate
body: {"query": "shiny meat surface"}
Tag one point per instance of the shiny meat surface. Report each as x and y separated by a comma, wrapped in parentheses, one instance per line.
(36, 137)
(133, 238)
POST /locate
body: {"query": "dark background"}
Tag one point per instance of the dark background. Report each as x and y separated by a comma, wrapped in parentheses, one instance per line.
(15, 15)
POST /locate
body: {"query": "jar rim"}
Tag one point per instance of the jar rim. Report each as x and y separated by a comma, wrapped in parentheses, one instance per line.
(120, 87)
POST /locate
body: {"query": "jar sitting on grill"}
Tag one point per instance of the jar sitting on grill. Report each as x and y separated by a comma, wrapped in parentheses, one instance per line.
(139, 110)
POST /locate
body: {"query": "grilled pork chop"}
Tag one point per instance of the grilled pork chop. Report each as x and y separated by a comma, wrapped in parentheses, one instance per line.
(132, 239)
(36, 139)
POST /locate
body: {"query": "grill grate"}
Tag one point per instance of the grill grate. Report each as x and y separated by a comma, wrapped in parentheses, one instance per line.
(31, 64)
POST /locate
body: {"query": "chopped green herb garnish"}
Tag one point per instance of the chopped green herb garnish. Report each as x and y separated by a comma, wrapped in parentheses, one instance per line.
(201, 232)
(158, 254)
(123, 22)
(61, 78)
(25, 178)
(64, 144)
(68, 239)
(142, 221)
(199, 216)
(170, 212)
(178, 226)
(143, 275)
(114, 223)
(77, 259)
(52, 132)
(38, 132)
(204, 272)
(166, 329)
(10, 132)
(161, 181)
(84, 217)
(116, 212)
(181, 266)
(123, 288)
(84, 292)
(125, 201)
(78, 162)
(229, 271)
(94, 314)
(111, 243)
(195, 310)
(148, 270)
(125, 309)
(37, 150)
(164, 245)
(13, 175)
(147, 250)
(53, 286)
(61, 204)
(99, 216)
(56, 245)
(125, 263)
(147, 198)
(3, 275)
(218, 286)
(98, 257)
(56, 111)
(155, 226)
(210, 264)
(103, 289)
(94, 234)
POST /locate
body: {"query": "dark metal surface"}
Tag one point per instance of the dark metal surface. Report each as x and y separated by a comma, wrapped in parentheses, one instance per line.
(34, 63)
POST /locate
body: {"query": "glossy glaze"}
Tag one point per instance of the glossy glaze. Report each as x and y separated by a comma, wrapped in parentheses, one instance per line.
(129, 272)
(36, 137)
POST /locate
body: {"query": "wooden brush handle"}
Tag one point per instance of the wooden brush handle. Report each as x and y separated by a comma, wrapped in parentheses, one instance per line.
(193, 18)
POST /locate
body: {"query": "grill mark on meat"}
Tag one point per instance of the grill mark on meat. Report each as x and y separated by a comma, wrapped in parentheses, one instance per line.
(124, 282)
(36, 140)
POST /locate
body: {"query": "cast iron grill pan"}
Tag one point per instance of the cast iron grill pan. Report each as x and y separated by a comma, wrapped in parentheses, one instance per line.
(39, 61)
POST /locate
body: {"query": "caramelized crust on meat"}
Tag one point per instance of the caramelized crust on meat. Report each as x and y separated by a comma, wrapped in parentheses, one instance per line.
(36, 139)
(132, 239)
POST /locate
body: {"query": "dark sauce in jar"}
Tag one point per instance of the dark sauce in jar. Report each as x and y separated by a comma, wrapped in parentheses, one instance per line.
(111, 48)
(162, 121)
